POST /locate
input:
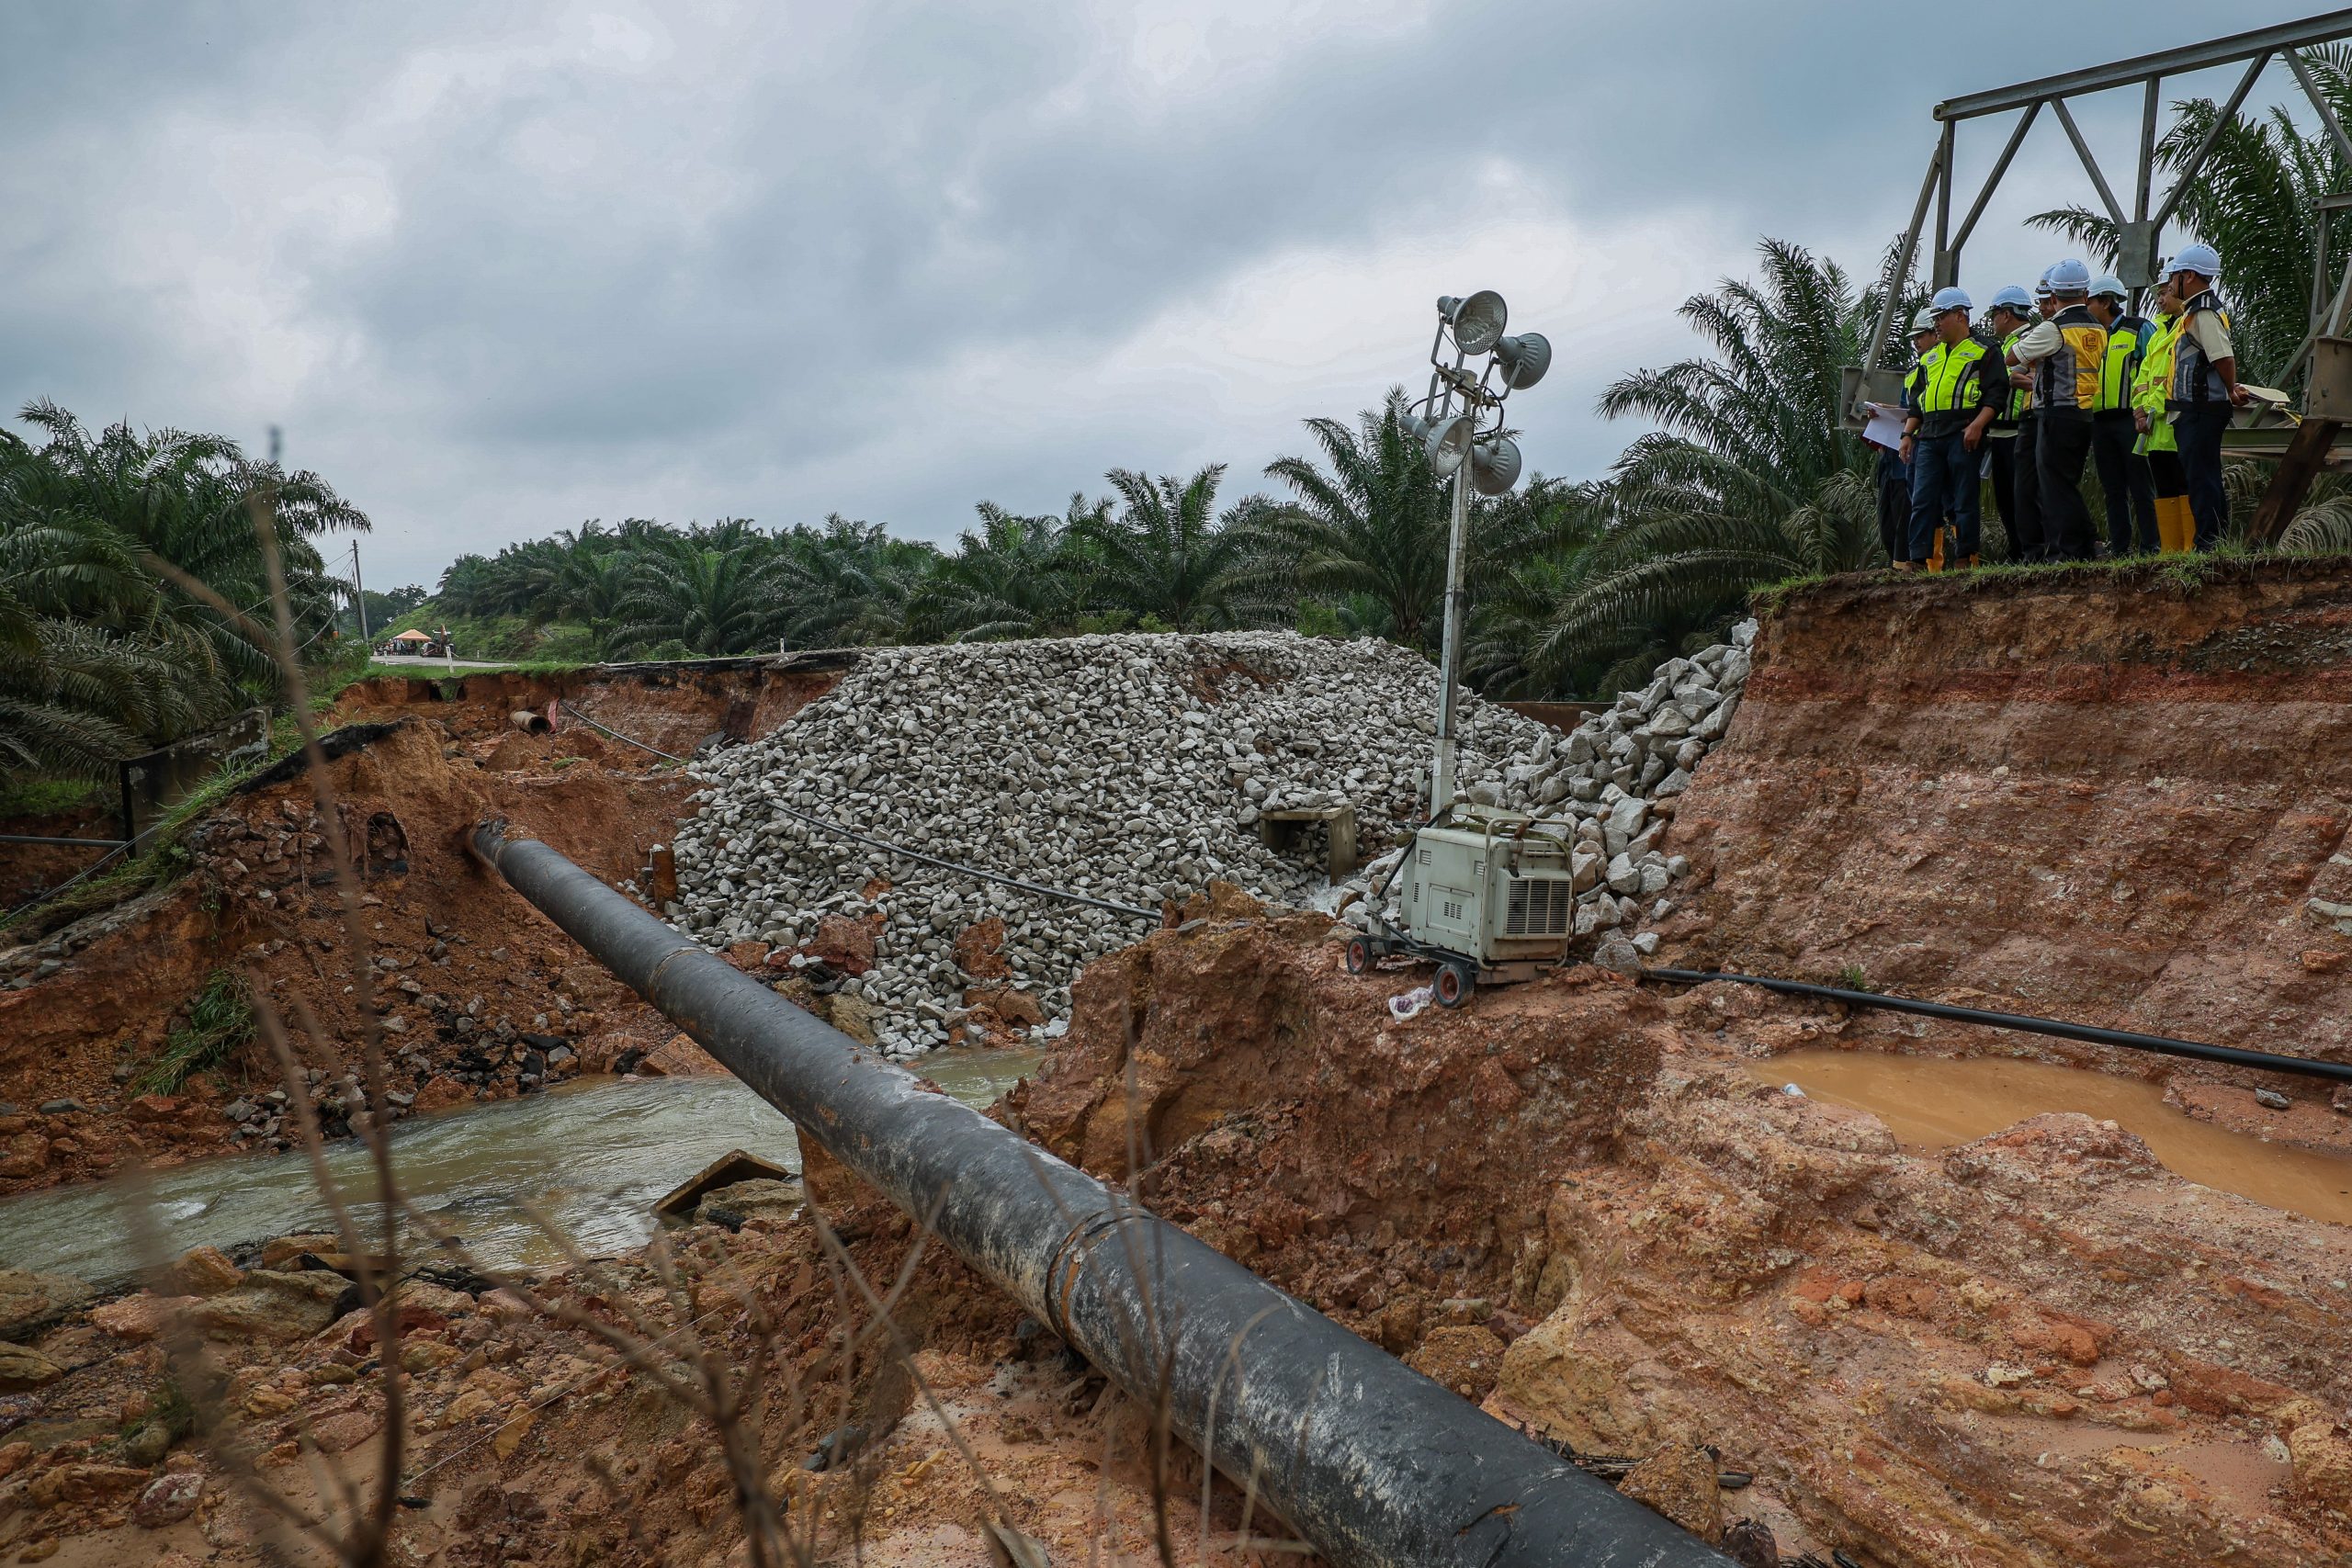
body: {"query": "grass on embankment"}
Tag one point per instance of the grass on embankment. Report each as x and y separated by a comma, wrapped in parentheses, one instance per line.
(219, 1024)
(2184, 572)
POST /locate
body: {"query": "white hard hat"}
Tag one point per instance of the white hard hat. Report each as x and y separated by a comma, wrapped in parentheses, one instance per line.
(2070, 276)
(1925, 322)
(2111, 286)
(2202, 260)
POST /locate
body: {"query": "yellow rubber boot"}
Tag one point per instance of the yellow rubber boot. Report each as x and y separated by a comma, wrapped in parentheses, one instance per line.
(2175, 524)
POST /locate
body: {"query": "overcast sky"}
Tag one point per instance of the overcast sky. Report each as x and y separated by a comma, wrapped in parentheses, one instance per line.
(498, 268)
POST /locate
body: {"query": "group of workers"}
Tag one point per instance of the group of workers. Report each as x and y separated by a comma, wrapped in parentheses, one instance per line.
(2063, 379)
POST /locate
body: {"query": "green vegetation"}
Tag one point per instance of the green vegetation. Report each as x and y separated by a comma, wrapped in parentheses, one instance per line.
(105, 651)
(1737, 487)
(384, 611)
(219, 1024)
(47, 798)
(1358, 552)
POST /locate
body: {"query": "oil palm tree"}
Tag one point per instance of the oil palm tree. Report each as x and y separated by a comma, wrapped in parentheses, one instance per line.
(1748, 479)
(708, 601)
(1370, 519)
(1167, 554)
(186, 500)
(848, 583)
(1012, 577)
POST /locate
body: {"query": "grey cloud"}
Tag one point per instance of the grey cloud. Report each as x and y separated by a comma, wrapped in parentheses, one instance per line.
(691, 283)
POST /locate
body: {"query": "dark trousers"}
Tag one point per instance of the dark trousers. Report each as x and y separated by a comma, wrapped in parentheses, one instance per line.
(2197, 428)
(2063, 451)
(2027, 482)
(2002, 464)
(2163, 468)
(1893, 504)
(1944, 481)
(2123, 475)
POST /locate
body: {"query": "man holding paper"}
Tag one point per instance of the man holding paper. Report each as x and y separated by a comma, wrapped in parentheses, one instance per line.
(1885, 431)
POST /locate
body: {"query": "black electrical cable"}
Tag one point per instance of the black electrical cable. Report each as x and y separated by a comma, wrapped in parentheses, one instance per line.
(851, 833)
(2164, 1045)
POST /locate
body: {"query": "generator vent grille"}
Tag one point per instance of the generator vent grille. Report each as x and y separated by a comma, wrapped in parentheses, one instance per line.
(1540, 906)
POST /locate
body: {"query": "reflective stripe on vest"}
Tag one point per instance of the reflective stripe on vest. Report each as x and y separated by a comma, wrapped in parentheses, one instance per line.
(2194, 379)
(1947, 381)
(2069, 378)
(2122, 362)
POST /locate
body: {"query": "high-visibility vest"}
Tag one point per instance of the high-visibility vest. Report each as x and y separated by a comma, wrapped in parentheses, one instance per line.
(1948, 379)
(2126, 340)
(2021, 398)
(2194, 379)
(2069, 378)
(2151, 384)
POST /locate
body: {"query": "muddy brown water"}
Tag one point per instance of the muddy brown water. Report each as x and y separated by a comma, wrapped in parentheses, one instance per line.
(1933, 1102)
(594, 1156)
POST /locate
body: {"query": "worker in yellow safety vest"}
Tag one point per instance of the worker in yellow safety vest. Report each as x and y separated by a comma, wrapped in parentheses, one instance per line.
(2064, 357)
(2150, 396)
(2205, 388)
(2122, 472)
(2007, 317)
(1945, 433)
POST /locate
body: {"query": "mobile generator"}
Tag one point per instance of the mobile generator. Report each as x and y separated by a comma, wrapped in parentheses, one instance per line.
(1488, 897)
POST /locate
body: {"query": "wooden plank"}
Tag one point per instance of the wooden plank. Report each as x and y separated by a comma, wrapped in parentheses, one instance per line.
(2298, 466)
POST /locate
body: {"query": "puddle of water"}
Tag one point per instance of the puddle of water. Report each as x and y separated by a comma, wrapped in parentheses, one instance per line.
(594, 1155)
(1933, 1102)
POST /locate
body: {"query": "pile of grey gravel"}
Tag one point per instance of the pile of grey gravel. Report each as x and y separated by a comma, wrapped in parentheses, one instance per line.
(1130, 768)
(1599, 781)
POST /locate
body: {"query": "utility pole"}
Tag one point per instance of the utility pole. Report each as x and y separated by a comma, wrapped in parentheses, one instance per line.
(358, 593)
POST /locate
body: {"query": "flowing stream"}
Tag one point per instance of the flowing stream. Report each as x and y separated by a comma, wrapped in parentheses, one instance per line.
(594, 1155)
(1933, 1102)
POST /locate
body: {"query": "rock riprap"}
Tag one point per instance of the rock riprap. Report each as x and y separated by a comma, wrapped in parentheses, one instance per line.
(1602, 782)
(1130, 768)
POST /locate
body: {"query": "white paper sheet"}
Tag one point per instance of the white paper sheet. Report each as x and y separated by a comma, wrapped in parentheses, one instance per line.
(1885, 426)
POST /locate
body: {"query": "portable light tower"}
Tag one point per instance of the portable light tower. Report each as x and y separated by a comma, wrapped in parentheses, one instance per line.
(1488, 895)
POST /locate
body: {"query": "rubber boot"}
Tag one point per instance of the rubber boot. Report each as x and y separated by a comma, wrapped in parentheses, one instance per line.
(2175, 524)
(1936, 550)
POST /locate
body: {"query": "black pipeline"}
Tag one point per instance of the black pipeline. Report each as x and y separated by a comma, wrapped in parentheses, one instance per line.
(2163, 1045)
(1371, 1463)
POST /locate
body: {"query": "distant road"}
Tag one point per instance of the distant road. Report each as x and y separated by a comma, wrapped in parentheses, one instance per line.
(409, 660)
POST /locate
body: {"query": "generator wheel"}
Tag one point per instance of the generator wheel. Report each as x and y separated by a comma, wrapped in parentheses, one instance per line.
(1359, 955)
(1454, 980)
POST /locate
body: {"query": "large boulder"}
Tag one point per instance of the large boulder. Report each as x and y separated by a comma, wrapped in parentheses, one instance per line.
(140, 1317)
(272, 1306)
(758, 1198)
(23, 1368)
(31, 1302)
(203, 1271)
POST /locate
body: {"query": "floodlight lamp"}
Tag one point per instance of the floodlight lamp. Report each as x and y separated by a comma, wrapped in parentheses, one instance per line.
(1449, 443)
(1494, 465)
(1477, 322)
(1522, 359)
